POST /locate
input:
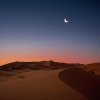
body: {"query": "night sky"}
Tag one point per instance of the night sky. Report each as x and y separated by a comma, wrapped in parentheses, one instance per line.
(34, 30)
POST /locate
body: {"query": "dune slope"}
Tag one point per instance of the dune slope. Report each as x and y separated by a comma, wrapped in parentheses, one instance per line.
(38, 85)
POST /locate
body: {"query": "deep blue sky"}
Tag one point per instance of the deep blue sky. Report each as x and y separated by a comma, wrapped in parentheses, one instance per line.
(35, 30)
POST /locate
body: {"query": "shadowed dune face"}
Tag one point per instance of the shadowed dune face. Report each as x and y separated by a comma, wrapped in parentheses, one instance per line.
(81, 81)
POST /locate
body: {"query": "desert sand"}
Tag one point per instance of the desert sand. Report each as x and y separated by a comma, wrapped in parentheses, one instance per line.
(25, 81)
(38, 85)
(93, 67)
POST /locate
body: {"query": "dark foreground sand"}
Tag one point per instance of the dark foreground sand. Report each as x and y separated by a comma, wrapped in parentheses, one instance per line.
(39, 85)
(82, 81)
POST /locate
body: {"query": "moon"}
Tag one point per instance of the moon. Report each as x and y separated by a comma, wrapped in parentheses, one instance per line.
(65, 20)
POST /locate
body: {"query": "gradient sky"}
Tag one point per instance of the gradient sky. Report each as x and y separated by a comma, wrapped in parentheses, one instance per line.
(32, 30)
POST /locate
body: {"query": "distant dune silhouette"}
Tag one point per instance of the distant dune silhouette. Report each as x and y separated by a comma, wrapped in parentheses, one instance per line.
(35, 65)
(93, 67)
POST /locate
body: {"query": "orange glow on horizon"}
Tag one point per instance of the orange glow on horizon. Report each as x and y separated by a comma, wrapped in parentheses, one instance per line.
(35, 58)
(28, 57)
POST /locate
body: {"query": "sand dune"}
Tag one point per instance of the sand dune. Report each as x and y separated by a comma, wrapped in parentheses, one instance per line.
(38, 85)
(93, 67)
(82, 81)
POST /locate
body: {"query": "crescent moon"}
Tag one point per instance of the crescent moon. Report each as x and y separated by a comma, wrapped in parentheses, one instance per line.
(66, 21)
